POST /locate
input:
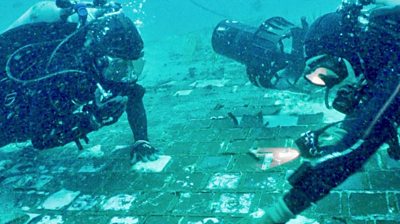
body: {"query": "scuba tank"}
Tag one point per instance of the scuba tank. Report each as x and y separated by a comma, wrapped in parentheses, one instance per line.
(82, 9)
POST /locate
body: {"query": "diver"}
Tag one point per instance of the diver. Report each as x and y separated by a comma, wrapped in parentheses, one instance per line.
(62, 79)
(272, 52)
(366, 44)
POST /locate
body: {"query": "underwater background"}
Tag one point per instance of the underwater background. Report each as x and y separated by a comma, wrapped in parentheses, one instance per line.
(206, 174)
(175, 17)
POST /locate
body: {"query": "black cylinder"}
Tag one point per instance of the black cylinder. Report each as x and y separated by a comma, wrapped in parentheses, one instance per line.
(249, 45)
(232, 39)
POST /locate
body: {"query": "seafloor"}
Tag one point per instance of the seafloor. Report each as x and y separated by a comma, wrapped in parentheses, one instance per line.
(206, 174)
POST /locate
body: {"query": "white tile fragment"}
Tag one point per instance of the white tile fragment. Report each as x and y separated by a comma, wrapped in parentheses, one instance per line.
(119, 202)
(302, 220)
(57, 219)
(60, 199)
(211, 220)
(224, 181)
(86, 202)
(183, 92)
(210, 82)
(233, 203)
(124, 220)
(152, 166)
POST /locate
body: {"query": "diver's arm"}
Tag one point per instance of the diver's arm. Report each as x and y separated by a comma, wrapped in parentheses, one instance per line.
(312, 182)
(136, 112)
(142, 149)
(330, 171)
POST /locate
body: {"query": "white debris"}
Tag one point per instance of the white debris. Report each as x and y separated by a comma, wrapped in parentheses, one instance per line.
(302, 220)
(58, 219)
(86, 202)
(258, 214)
(152, 166)
(119, 202)
(31, 216)
(224, 181)
(211, 82)
(125, 220)
(118, 147)
(234, 203)
(25, 208)
(93, 152)
(204, 221)
(183, 92)
(211, 220)
(91, 168)
(60, 199)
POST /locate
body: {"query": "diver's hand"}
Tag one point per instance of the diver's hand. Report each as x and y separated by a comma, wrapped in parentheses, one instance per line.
(143, 151)
(109, 111)
(313, 144)
(279, 213)
(331, 136)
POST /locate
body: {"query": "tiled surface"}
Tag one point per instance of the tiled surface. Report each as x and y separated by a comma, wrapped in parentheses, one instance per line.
(210, 177)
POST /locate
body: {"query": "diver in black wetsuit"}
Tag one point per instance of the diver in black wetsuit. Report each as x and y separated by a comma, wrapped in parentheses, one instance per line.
(62, 80)
(336, 44)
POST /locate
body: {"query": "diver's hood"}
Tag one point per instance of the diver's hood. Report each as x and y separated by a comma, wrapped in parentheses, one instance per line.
(331, 35)
(115, 36)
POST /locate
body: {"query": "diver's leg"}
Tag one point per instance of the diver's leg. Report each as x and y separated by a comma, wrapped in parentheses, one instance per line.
(136, 113)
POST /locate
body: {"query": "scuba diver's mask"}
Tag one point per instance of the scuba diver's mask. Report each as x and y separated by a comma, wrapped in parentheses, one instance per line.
(326, 70)
(122, 71)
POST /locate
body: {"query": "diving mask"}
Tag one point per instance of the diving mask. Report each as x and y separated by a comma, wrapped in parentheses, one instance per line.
(326, 70)
(121, 70)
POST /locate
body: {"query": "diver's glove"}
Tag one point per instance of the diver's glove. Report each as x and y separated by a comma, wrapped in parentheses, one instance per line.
(142, 150)
(278, 213)
(312, 143)
(109, 111)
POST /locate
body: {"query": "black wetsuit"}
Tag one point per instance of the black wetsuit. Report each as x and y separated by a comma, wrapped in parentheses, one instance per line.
(49, 75)
(375, 55)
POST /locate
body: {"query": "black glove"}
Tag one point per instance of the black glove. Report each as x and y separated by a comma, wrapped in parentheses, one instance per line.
(311, 143)
(143, 151)
(109, 111)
